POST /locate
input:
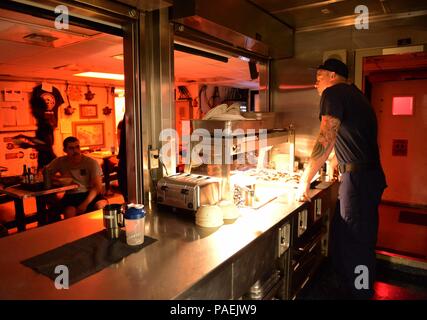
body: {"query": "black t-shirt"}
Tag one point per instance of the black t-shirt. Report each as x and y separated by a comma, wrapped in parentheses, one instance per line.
(357, 137)
(48, 111)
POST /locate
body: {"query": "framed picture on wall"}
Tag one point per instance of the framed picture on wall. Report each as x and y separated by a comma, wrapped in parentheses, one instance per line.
(88, 111)
(89, 133)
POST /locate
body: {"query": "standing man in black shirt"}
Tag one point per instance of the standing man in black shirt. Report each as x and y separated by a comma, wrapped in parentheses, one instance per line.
(44, 137)
(348, 125)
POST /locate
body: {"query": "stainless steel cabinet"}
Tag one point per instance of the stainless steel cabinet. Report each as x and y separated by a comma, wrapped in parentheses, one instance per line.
(279, 263)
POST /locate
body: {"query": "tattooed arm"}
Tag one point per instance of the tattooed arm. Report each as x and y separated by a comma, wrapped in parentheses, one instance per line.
(322, 148)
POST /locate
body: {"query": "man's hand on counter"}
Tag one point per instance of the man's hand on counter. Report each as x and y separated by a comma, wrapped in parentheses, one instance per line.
(302, 193)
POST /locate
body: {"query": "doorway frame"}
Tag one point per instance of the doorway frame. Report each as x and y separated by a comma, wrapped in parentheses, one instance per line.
(359, 81)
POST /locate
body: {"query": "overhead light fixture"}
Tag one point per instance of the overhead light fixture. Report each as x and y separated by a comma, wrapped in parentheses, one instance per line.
(45, 40)
(68, 67)
(38, 37)
(198, 52)
(101, 75)
(118, 56)
(244, 58)
(403, 49)
(325, 11)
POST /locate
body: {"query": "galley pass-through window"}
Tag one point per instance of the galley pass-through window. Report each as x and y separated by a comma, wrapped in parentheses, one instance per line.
(209, 78)
(212, 84)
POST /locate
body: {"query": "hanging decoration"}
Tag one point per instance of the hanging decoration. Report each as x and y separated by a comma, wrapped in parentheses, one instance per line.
(68, 110)
(107, 110)
(89, 95)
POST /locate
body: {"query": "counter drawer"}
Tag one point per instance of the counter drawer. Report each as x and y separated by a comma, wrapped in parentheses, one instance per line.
(254, 263)
(304, 264)
(215, 286)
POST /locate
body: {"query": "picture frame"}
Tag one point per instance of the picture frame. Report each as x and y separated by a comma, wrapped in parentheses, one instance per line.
(90, 133)
(88, 111)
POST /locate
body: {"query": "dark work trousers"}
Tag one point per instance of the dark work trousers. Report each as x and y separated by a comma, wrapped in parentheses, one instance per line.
(354, 229)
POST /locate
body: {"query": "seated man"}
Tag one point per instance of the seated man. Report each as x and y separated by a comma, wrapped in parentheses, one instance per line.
(85, 172)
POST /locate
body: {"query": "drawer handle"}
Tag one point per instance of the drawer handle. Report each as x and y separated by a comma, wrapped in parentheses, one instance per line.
(313, 246)
(313, 242)
(305, 282)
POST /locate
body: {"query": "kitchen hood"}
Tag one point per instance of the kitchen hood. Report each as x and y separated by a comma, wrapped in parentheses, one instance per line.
(239, 23)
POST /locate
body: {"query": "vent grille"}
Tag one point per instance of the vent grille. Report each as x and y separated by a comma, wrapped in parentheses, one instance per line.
(419, 219)
(40, 38)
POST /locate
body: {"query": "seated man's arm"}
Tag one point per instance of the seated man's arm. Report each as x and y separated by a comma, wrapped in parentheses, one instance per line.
(94, 190)
(53, 167)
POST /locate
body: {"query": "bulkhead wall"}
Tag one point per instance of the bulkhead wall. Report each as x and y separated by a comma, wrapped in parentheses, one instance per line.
(292, 80)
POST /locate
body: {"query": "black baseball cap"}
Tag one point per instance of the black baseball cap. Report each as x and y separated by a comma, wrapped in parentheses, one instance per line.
(336, 66)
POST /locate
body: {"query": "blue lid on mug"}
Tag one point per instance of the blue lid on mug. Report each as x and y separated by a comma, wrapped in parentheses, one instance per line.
(134, 213)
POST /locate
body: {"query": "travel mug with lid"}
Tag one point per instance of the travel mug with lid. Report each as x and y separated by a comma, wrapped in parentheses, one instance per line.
(135, 224)
(113, 220)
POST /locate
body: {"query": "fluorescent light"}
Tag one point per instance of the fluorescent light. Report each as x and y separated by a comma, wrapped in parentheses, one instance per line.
(401, 50)
(244, 58)
(101, 75)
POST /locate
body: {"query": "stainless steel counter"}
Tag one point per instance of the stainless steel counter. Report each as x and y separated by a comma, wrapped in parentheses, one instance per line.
(183, 255)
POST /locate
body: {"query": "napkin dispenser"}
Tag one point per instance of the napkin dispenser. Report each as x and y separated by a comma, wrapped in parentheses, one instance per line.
(188, 191)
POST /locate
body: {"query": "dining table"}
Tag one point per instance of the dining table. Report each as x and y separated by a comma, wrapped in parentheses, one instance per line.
(20, 192)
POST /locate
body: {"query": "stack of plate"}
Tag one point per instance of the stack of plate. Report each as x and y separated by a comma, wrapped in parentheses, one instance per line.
(209, 216)
(224, 112)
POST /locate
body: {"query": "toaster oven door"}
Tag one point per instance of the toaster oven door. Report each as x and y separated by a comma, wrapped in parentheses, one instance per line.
(177, 196)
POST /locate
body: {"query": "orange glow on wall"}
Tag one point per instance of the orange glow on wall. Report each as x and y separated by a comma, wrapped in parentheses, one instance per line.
(403, 106)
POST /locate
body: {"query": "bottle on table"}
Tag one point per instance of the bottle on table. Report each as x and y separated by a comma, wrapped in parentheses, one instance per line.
(25, 174)
(30, 176)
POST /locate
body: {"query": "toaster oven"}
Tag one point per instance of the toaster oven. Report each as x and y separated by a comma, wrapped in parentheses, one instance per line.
(188, 191)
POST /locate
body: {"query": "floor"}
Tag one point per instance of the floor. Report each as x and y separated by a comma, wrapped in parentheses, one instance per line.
(393, 283)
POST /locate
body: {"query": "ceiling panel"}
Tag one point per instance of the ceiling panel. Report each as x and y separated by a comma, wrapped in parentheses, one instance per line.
(305, 13)
(93, 51)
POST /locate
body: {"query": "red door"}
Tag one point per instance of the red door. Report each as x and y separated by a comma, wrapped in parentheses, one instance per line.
(403, 149)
